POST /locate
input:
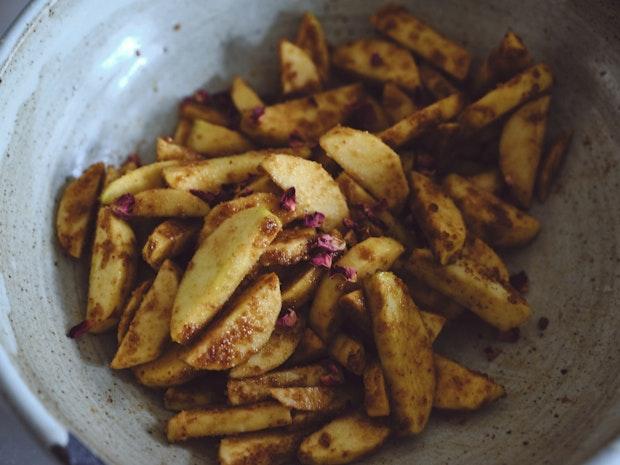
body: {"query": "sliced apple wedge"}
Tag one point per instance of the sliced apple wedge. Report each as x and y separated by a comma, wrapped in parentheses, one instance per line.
(367, 257)
(150, 327)
(218, 266)
(405, 351)
(343, 440)
(112, 270)
(138, 180)
(274, 353)
(241, 332)
(76, 210)
(315, 189)
(459, 388)
(370, 162)
(302, 120)
(298, 73)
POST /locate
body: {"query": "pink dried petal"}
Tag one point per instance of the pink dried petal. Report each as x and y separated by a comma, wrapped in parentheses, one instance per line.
(370, 214)
(123, 206)
(349, 273)
(79, 330)
(520, 282)
(380, 206)
(134, 158)
(329, 243)
(257, 112)
(287, 201)
(314, 220)
(330, 380)
(208, 197)
(289, 319)
(332, 367)
(245, 192)
(376, 60)
(296, 140)
(350, 224)
(201, 96)
(323, 259)
(335, 376)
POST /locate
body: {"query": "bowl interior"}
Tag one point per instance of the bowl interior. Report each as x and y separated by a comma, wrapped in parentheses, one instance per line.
(93, 81)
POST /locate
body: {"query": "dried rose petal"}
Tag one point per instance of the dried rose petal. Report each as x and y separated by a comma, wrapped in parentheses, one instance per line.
(376, 60)
(350, 224)
(289, 319)
(370, 214)
(380, 206)
(79, 330)
(257, 112)
(314, 220)
(349, 273)
(245, 192)
(201, 96)
(330, 380)
(296, 140)
(329, 243)
(323, 259)
(335, 375)
(205, 196)
(134, 158)
(520, 282)
(123, 206)
(287, 201)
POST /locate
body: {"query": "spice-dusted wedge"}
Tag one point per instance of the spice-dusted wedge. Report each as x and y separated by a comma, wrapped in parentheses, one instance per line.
(227, 420)
(459, 388)
(218, 266)
(520, 148)
(370, 162)
(211, 175)
(140, 179)
(343, 440)
(255, 389)
(495, 221)
(262, 448)
(314, 189)
(466, 282)
(243, 96)
(112, 270)
(311, 38)
(438, 217)
(211, 140)
(280, 346)
(302, 120)
(298, 73)
(149, 329)
(367, 257)
(405, 351)
(76, 210)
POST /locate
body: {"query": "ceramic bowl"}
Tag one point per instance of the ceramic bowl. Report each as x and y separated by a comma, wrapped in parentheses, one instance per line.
(89, 80)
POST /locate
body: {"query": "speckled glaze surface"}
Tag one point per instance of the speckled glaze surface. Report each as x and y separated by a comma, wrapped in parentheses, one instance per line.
(94, 80)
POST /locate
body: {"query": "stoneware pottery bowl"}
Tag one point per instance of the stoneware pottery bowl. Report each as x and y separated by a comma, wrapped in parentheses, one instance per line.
(94, 80)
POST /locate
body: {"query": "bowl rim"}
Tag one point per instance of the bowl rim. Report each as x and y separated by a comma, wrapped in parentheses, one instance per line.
(45, 428)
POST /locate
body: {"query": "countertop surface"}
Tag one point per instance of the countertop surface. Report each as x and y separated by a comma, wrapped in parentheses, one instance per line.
(17, 446)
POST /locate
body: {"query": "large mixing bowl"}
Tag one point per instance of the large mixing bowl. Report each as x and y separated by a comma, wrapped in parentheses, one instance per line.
(92, 80)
